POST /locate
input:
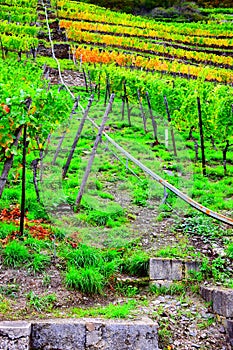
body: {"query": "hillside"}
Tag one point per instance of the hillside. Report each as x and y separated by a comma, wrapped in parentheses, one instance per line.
(165, 89)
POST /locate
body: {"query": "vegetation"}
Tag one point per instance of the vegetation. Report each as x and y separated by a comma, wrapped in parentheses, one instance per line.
(157, 69)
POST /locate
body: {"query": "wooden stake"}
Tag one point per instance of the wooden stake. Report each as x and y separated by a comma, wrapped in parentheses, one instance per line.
(142, 111)
(75, 106)
(23, 189)
(34, 165)
(94, 149)
(107, 91)
(154, 124)
(169, 121)
(66, 166)
(85, 80)
(9, 161)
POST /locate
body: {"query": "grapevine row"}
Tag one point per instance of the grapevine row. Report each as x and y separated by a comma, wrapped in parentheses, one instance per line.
(18, 43)
(83, 11)
(74, 33)
(20, 3)
(97, 56)
(156, 35)
(12, 28)
(18, 14)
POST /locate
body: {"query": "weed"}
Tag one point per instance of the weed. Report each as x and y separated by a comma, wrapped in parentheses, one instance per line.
(110, 268)
(126, 290)
(15, 254)
(206, 323)
(36, 211)
(229, 251)
(179, 251)
(101, 194)
(202, 226)
(98, 185)
(195, 276)
(46, 280)
(39, 262)
(164, 333)
(141, 194)
(37, 244)
(41, 303)
(4, 304)
(174, 288)
(86, 280)
(9, 290)
(101, 214)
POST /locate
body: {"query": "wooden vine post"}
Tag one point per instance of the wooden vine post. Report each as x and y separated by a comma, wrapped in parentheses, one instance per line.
(169, 121)
(28, 102)
(94, 149)
(201, 137)
(9, 161)
(154, 124)
(129, 109)
(85, 80)
(107, 90)
(75, 106)
(34, 165)
(142, 110)
(23, 188)
(77, 136)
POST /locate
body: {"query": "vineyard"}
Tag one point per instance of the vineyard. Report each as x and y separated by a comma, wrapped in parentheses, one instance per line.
(111, 125)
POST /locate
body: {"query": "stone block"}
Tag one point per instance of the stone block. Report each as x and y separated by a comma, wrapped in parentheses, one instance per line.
(15, 335)
(207, 293)
(191, 266)
(129, 335)
(58, 335)
(223, 302)
(94, 334)
(166, 269)
(229, 328)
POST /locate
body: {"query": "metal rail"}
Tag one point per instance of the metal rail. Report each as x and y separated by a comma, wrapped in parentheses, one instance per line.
(166, 184)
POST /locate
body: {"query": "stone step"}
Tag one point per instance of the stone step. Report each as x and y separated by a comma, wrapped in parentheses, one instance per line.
(81, 334)
(162, 270)
(222, 304)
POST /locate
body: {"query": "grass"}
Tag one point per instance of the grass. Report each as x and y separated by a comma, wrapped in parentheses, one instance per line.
(86, 280)
(15, 254)
(137, 263)
(39, 262)
(103, 222)
(41, 303)
(173, 289)
(110, 311)
(6, 229)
